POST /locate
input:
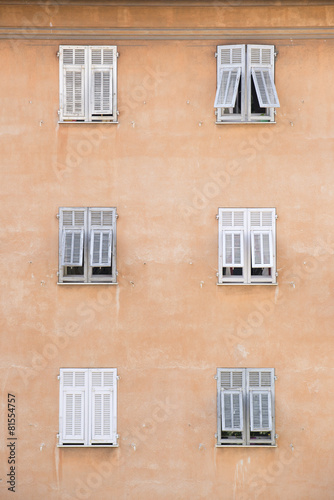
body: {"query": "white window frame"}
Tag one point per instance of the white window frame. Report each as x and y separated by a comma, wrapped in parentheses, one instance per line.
(247, 222)
(87, 68)
(253, 63)
(88, 221)
(83, 422)
(244, 383)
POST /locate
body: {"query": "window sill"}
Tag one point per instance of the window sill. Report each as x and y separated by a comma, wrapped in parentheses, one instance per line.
(69, 122)
(245, 123)
(76, 283)
(246, 446)
(87, 445)
(247, 284)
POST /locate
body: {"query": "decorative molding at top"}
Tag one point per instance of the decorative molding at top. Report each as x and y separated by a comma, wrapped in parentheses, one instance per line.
(39, 33)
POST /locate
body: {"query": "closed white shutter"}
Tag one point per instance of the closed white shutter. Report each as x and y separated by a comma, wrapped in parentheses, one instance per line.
(102, 62)
(233, 255)
(262, 253)
(261, 392)
(103, 405)
(232, 228)
(262, 228)
(260, 62)
(73, 406)
(72, 82)
(232, 414)
(100, 250)
(230, 68)
(260, 410)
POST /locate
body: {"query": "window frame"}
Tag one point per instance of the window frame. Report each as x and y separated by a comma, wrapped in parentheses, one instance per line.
(87, 391)
(243, 222)
(246, 436)
(241, 56)
(88, 69)
(82, 219)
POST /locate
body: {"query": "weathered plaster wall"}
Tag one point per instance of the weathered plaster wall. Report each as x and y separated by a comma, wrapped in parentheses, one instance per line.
(167, 167)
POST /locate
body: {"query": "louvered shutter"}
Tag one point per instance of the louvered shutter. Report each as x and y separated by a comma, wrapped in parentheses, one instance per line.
(72, 82)
(102, 62)
(72, 233)
(261, 65)
(227, 88)
(72, 247)
(230, 68)
(100, 251)
(103, 406)
(232, 224)
(73, 406)
(262, 254)
(102, 244)
(232, 415)
(230, 384)
(261, 392)
(262, 228)
(260, 410)
(233, 249)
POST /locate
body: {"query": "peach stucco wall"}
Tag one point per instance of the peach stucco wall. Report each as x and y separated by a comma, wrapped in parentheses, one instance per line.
(167, 326)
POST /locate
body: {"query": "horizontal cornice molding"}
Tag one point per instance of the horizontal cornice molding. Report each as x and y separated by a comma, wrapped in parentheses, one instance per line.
(40, 33)
(171, 3)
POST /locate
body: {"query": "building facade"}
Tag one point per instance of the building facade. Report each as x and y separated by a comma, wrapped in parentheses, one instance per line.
(167, 250)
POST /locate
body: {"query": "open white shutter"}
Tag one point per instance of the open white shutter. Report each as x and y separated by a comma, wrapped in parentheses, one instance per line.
(102, 62)
(227, 87)
(265, 88)
(103, 405)
(72, 234)
(230, 68)
(72, 247)
(232, 414)
(72, 82)
(73, 406)
(100, 248)
(260, 410)
(260, 62)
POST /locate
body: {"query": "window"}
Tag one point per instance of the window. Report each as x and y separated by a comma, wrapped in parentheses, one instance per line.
(88, 407)
(87, 83)
(247, 246)
(246, 406)
(87, 245)
(246, 90)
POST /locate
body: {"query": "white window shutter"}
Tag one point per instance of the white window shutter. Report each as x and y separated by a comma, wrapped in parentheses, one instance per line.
(262, 249)
(230, 68)
(102, 71)
(262, 223)
(227, 88)
(72, 73)
(72, 247)
(232, 413)
(100, 247)
(103, 405)
(260, 410)
(233, 254)
(260, 61)
(73, 406)
(71, 236)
